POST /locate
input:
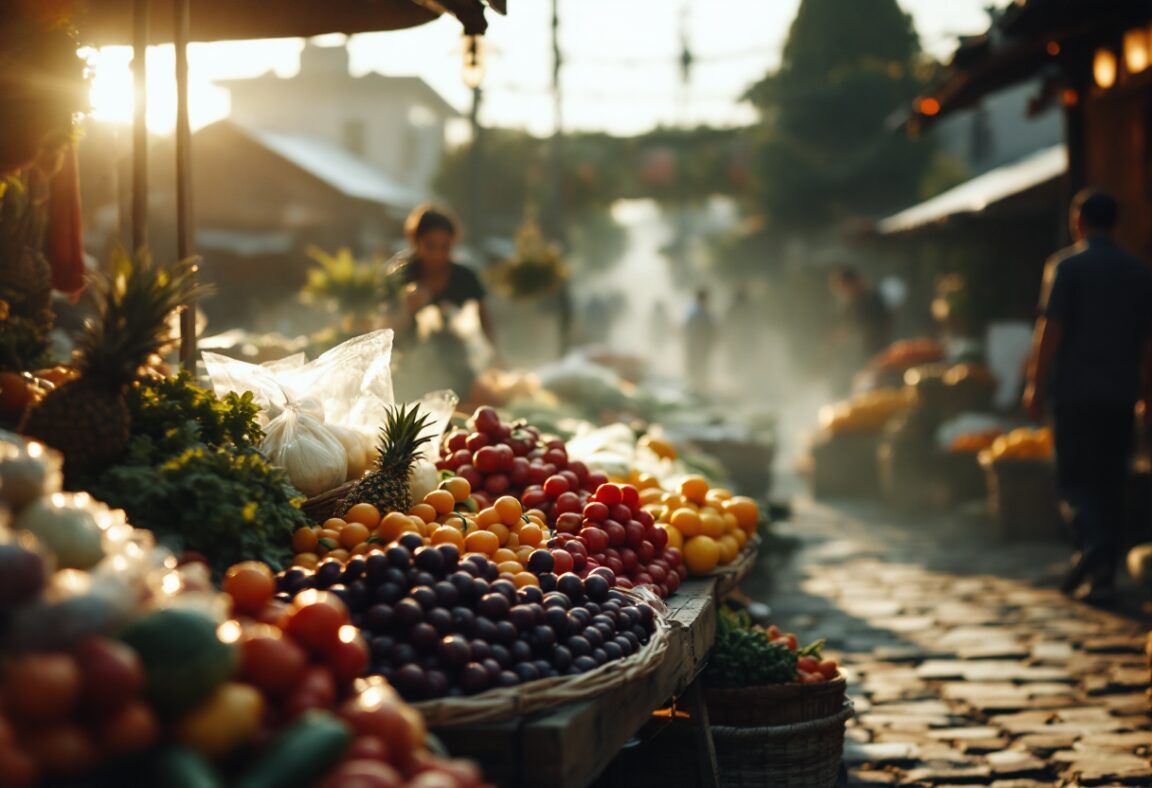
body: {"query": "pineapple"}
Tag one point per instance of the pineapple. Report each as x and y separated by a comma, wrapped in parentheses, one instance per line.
(87, 419)
(386, 486)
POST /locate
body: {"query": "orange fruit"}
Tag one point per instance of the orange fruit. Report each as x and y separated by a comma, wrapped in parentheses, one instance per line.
(728, 549)
(512, 568)
(731, 524)
(686, 521)
(501, 531)
(363, 513)
(740, 537)
(339, 555)
(522, 579)
(694, 488)
(650, 495)
(675, 539)
(712, 524)
(14, 393)
(509, 510)
(537, 515)
(392, 526)
(447, 534)
(745, 510)
(531, 535)
(488, 517)
(481, 541)
(718, 494)
(307, 560)
(354, 534)
(328, 533)
(424, 511)
(701, 554)
(522, 554)
(304, 540)
(458, 486)
(334, 524)
(441, 500)
(504, 554)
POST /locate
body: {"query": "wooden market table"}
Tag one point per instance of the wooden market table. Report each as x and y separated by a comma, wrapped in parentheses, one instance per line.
(569, 746)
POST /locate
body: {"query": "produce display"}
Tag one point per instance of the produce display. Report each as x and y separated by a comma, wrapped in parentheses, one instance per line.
(749, 655)
(88, 418)
(1024, 443)
(866, 412)
(122, 668)
(441, 625)
(974, 443)
(907, 353)
(512, 459)
(708, 525)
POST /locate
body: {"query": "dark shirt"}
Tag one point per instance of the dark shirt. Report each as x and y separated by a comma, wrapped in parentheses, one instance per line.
(1102, 298)
(463, 284)
(869, 316)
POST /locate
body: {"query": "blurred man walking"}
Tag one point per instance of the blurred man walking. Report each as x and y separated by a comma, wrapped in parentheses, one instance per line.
(1091, 361)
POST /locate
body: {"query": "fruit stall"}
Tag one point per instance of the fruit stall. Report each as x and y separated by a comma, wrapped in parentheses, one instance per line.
(276, 575)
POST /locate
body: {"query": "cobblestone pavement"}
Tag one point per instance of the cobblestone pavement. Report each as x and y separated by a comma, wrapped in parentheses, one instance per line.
(966, 665)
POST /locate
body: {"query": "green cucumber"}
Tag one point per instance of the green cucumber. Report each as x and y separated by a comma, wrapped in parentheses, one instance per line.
(301, 754)
(179, 767)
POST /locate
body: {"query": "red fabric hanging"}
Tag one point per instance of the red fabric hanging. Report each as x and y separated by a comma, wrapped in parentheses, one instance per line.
(64, 244)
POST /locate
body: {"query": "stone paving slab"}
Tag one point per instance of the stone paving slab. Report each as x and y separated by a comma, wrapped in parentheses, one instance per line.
(963, 669)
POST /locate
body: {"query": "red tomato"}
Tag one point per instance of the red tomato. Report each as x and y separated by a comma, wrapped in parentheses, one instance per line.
(17, 769)
(63, 750)
(367, 748)
(385, 722)
(110, 674)
(365, 774)
(42, 688)
(808, 664)
(789, 640)
(608, 494)
(773, 632)
(630, 496)
(271, 664)
(316, 690)
(809, 678)
(316, 621)
(563, 561)
(829, 669)
(349, 659)
(132, 729)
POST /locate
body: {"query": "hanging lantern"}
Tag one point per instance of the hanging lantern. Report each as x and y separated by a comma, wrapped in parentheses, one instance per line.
(474, 66)
(1104, 68)
(1138, 50)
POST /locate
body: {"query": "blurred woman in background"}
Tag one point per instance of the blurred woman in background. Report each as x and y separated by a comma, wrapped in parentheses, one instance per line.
(432, 352)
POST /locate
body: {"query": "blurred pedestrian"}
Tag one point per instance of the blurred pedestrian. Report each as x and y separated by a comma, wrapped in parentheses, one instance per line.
(431, 280)
(1091, 363)
(699, 343)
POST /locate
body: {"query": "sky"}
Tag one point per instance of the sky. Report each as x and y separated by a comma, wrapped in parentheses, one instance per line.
(621, 62)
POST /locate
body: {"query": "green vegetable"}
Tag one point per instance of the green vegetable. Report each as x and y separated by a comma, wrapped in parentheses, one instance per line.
(229, 504)
(178, 767)
(746, 658)
(184, 660)
(193, 475)
(300, 755)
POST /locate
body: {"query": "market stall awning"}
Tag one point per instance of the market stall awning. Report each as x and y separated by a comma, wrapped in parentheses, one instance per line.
(1029, 37)
(104, 22)
(982, 191)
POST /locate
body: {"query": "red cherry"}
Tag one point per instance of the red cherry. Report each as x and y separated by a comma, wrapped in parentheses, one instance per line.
(562, 560)
(596, 512)
(476, 441)
(609, 494)
(555, 486)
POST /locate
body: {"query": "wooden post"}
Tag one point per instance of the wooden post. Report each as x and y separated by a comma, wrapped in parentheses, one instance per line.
(185, 243)
(140, 125)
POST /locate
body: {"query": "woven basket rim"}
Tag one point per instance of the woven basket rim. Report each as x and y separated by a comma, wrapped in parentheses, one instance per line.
(790, 729)
(536, 695)
(789, 688)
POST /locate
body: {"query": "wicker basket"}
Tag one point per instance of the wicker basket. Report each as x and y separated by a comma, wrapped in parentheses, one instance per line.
(324, 505)
(775, 704)
(499, 704)
(1022, 498)
(799, 755)
(844, 465)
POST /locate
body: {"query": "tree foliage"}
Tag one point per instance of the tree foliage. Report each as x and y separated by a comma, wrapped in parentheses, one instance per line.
(828, 146)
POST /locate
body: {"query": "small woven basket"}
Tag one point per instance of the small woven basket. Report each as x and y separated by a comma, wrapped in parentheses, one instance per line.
(1022, 498)
(324, 505)
(798, 755)
(501, 704)
(775, 704)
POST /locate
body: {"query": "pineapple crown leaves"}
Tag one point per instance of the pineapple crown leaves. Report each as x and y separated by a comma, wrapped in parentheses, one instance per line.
(402, 436)
(135, 298)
